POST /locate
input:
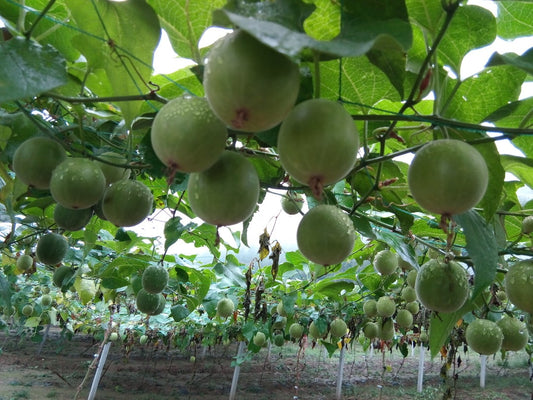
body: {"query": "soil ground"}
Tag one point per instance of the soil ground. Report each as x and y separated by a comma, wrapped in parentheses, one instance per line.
(152, 373)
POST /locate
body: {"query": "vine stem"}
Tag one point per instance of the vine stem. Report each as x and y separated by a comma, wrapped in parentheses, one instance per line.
(28, 33)
(144, 97)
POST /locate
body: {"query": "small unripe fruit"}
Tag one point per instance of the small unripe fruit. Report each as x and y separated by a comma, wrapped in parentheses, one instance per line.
(385, 262)
(155, 279)
(527, 225)
(386, 306)
(408, 294)
(404, 318)
(386, 329)
(515, 334)
(281, 310)
(147, 302)
(113, 173)
(484, 336)
(46, 300)
(279, 340)
(424, 337)
(413, 307)
(225, 307)
(259, 339)
(296, 330)
(280, 323)
(292, 203)
(411, 278)
(314, 332)
(51, 248)
(371, 330)
(519, 285)
(27, 310)
(143, 339)
(24, 262)
(370, 308)
(127, 202)
(338, 328)
(113, 336)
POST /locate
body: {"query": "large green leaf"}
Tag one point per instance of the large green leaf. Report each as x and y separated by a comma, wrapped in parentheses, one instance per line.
(521, 167)
(28, 69)
(514, 114)
(524, 62)
(471, 27)
(174, 229)
(325, 22)
(515, 18)
(185, 21)
(121, 38)
(482, 94)
(428, 14)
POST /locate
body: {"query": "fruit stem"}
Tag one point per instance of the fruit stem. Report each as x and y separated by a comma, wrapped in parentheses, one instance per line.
(28, 33)
(316, 62)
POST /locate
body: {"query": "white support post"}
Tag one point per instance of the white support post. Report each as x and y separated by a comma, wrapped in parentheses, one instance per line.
(340, 373)
(99, 369)
(421, 368)
(482, 372)
(236, 373)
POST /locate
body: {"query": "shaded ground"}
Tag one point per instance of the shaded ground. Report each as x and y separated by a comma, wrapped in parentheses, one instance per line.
(151, 372)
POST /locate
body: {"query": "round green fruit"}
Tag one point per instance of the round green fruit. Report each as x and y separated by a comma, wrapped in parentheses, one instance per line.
(385, 306)
(519, 285)
(515, 334)
(318, 143)
(296, 330)
(408, 294)
(127, 202)
(424, 337)
(46, 300)
(77, 183)
(280, 309)
(161, 305)
(279, 340)
(411, 278)
(448, 177)
(527, 225)
(148, 303)
(484, 336)
(279, 323)
(71, 220)
(27, 310)
(413, 307)
(136, 283)
(259, 339)
(338, 328)
(62, 274)
(113, 337)
(370, 308)
(45, 290)
(226, 193)
(325, 235)
(385, 262)
(187, 136)
(109, 165)
(225, 307)
(371, 330)
(24, 262)
(386, 329)
(155, 279)
(249, 86)
(51, 248)
(292, 203)
(143, 339)
(314, 332)
(35, 159)
(442, 287)
(404, 319)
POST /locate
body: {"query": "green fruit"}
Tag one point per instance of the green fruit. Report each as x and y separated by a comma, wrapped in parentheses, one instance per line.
(62, 274)
(127, 202)
(136, 283)
(187, 136)
(386, 329)
(527, 225)
(501, 295)
(296, 330)
(280, 309)
(338, 328)
(385, 306)
(325, 235)
(35, 159)
(370, 308)
(292, 203)
(484, 336)
(279, 340)
(385, 262)
(408, 294)
(161, 305)
(249, 86)
(45, 289)
(71, 220)
(413, 307)
(315, 333)
(279, 323)
(24, 262)
(442, 287)
(259, 339)
(411, 278)
(424, 338)
(113, 173)
(371, 330)
(515, 334)
(226, 193)
(143, 339)
(225, 307)
(77, 183)
(404, 319)
(318, 143)
(113, 336)
(46, 300)
(147, 303)
(519, 285)
(155, 279)
(27, 310)
(448, 177)
(51, 248)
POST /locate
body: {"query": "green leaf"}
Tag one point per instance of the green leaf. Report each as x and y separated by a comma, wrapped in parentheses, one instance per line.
(325, 22)
(28, 69)
(332, 288)
(482, 249)
(400, 244)
(524, 62)
(427, 14)
(515, 114)
(110, 44)
(185, 22)
(114, 282)
(179, 312)
(515, 18)
(32, 322)
(520, 167)
(482, 94)
(174, 229)
(389, 56)
(472, 27)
